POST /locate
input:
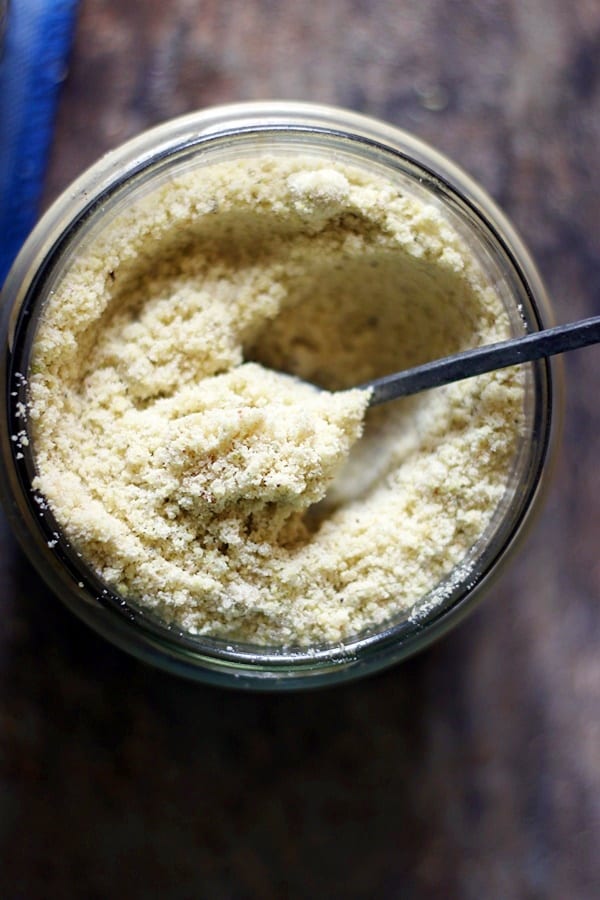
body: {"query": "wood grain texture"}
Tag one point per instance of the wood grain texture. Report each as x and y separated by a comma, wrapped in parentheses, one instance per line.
(471, 771)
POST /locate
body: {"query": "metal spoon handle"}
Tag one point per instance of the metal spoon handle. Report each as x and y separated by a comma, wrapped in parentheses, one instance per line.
(548, 342)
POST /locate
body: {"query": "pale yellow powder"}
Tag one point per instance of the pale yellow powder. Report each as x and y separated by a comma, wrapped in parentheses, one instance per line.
(200, 480)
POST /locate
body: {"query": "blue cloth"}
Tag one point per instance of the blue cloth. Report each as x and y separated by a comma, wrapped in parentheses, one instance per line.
(32, 66)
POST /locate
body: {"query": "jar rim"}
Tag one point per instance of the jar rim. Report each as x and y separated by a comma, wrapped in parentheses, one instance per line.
(205, 658)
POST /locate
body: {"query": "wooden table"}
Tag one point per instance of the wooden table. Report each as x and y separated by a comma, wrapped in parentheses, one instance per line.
(472, 771)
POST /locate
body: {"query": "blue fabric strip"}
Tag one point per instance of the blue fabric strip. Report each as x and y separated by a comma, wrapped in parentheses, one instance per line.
(32, 67)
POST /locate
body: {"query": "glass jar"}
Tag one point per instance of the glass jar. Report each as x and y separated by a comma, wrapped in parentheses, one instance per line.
(226, 133)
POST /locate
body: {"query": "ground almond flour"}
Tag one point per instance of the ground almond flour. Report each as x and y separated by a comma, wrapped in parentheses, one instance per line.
(202, 481)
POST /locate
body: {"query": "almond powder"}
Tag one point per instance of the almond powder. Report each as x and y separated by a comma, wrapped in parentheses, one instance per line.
(179, 439)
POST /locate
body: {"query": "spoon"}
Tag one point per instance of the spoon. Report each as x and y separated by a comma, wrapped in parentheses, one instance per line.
(468, 363)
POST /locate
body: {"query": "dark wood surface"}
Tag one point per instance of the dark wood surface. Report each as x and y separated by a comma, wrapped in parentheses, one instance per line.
(473, 770)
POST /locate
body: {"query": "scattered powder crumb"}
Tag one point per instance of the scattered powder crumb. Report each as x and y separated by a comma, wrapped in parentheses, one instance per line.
(180, 446)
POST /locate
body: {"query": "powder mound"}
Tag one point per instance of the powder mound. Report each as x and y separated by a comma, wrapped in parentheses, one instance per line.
(262, 439)
(200, 481)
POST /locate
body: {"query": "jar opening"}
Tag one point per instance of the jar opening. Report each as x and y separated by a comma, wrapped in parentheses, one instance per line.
(94, 215)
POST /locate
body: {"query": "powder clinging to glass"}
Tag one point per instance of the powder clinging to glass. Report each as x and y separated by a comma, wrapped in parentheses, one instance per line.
(200, 480)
